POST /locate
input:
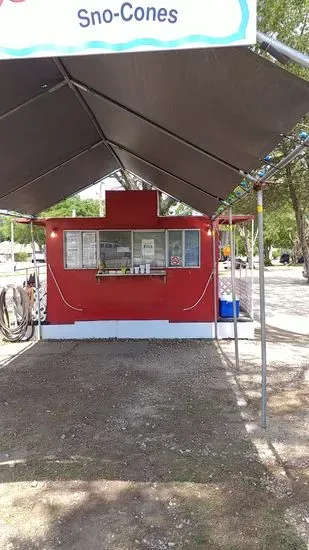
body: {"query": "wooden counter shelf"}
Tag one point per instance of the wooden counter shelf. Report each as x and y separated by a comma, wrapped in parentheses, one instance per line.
(157, 273)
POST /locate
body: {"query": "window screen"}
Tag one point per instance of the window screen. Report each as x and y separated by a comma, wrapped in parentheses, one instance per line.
(192, 248)
(115, 249)
(149, 248)
(175, 248)
(89, 243)
(72, 249)
(184, 248)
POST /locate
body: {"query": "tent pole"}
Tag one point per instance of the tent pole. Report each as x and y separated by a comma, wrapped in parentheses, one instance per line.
(268, 42)
(262, 306)
(215, 278)
(12, 249)
(273, 171)
(37, 284)
(252, 269)
(233, 286)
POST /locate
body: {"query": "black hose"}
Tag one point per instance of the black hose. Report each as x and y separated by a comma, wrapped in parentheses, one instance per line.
(19, 302)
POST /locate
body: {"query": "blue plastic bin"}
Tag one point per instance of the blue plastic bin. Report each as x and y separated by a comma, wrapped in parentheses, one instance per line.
(226, 308)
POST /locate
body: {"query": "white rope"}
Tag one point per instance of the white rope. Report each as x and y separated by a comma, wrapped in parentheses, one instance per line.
(201, 298)
(59, 290)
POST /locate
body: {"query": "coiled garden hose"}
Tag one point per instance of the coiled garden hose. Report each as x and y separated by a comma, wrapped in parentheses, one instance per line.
(15, 305)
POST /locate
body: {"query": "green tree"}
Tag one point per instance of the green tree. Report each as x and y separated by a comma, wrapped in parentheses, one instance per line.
(86, 208)
(183, 210)
(5, 232)
(279, 221)
(288, 20)
(287, 198)
(280, 230)
(22, 234)
(65, 209)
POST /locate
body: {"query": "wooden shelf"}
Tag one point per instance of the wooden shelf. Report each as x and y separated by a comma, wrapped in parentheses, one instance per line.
(157, 273)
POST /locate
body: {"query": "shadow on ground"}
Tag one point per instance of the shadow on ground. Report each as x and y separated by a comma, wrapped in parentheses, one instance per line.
(286, 306)
(277, 335)
(126, 446)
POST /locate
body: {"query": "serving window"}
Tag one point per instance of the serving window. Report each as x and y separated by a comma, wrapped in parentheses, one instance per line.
(117, 250)
(149, 248)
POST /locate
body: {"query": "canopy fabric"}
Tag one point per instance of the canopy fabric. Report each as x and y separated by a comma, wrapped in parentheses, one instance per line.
(185, 121)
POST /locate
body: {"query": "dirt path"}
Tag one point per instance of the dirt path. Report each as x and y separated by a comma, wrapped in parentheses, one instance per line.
(132, 446)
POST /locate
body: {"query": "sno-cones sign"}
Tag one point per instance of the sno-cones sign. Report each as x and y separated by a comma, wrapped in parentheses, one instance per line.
(38, 28)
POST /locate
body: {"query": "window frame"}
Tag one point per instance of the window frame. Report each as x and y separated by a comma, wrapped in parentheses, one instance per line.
(148, 231)
(98, 231)
(80, 248)
(168, 246)
(199, 248)
(132, 231)
(183, 231)
(65, 248)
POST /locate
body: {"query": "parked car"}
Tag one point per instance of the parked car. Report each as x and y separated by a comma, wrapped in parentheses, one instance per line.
(239, 264)
(285, 259)
(40, 258)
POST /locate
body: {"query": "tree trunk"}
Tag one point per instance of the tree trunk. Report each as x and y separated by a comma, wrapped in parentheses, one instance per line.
(300, 220)
(166, 205)
(128, 181)
(267, 248)
(247, 239)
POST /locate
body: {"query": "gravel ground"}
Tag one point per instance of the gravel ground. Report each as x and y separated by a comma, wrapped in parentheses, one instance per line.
(284, 447)
(143, 445)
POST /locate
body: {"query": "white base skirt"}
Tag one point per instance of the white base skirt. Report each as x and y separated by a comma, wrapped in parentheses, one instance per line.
(146, 330)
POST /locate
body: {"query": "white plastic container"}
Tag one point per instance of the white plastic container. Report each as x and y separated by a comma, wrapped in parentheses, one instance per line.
(142, 269)
(148, 269)
(136, 270)
(228, 297)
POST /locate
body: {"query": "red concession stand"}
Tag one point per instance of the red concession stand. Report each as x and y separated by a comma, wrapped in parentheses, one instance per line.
(131, 274)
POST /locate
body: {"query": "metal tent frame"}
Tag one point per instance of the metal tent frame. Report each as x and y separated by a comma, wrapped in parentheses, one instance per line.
(258, 184)
(96, 152)
(284, 54)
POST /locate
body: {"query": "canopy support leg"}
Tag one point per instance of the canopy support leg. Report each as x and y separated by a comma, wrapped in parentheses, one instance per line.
(234, 287)
(262, 306)
(12, 249)
(252, 269)
(215, 278)
(37, 284)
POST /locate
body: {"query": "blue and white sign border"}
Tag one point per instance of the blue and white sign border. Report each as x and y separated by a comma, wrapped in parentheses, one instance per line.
(29, 40)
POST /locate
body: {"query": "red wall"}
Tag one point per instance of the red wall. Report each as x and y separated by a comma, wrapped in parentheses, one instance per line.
(128, 298)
